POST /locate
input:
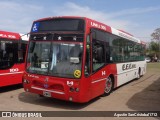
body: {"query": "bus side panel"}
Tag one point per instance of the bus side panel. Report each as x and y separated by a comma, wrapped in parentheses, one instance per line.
(10, 79)
(129, 71)
(12, 76)
(124, 77)
(143, 67)
(99, 79)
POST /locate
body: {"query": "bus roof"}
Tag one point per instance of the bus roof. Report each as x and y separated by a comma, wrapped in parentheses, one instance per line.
(125, 35)
(99, 25)
(9, 35)
(13, 35)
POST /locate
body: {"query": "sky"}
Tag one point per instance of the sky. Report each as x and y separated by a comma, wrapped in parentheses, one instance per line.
(138, 17)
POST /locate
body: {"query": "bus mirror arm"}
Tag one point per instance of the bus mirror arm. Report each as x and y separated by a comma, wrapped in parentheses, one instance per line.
(25, 34)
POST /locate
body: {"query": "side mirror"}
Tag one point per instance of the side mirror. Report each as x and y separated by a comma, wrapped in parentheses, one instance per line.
(31, 47)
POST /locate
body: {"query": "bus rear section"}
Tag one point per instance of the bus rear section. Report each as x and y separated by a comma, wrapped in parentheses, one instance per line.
(12, 58)
(77, 59)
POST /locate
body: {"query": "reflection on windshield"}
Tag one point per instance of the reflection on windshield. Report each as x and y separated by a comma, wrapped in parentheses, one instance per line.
(55, 59)
(55, 51)
(38, 57)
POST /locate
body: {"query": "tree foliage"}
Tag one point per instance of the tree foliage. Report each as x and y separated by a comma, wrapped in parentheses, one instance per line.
(154, 46)
(153, 49)
(156, 35)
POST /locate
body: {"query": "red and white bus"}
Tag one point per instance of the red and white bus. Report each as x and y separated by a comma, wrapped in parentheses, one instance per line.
(77, 59)
(12, 57)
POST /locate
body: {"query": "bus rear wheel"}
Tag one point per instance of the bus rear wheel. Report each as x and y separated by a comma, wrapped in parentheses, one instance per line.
(139, 73)
(108, 86)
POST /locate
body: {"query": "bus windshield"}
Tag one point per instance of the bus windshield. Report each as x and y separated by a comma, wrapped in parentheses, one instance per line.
(54, 58)
(11, 53)
(8, 53)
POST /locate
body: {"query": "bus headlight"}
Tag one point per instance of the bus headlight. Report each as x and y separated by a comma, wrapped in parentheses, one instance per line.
(77, 89)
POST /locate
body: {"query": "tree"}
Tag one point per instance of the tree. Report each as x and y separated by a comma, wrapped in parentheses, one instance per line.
(156, 45)
(156, 35)
(153, 50)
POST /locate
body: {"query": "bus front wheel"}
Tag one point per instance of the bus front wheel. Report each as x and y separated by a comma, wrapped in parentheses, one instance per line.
(108, 86)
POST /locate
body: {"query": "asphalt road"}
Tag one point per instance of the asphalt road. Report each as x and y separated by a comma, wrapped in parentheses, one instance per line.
(137, 95)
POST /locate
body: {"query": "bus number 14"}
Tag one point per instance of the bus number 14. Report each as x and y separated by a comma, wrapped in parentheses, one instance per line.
(103, 73)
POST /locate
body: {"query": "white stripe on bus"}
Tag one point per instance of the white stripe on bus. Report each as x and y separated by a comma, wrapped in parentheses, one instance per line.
(98, 80)
(11, 73)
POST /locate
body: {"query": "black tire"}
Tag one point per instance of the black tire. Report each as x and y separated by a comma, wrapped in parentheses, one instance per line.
(108, 86)
(139, 73)
(41, 96)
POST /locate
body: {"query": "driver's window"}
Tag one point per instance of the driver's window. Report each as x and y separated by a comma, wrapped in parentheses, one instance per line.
(98, 54)
(99, 40)
(88, 58)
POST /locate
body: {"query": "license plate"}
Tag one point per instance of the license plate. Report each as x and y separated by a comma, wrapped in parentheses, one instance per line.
(46, 94)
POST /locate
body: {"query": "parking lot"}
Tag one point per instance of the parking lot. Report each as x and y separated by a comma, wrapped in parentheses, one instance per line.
(137, 95)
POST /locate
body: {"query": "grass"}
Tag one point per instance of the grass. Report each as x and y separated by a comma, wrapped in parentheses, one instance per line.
(154, 65)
